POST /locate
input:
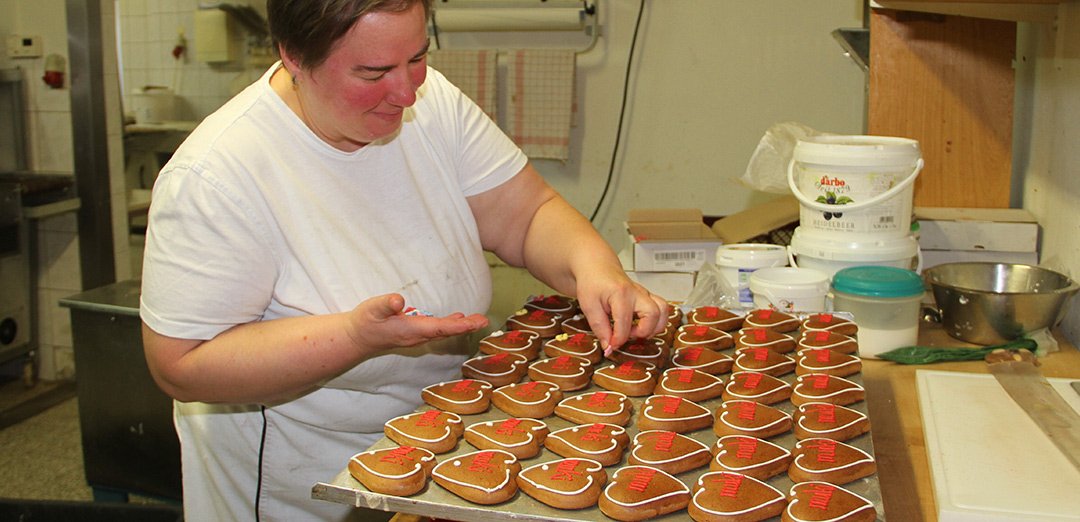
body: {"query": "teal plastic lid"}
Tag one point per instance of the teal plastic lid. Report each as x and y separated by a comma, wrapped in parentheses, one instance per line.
(878, 281)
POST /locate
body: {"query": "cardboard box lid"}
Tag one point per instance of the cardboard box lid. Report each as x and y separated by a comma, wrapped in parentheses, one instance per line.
(1000, 215)
(758, 220)
(666, 224)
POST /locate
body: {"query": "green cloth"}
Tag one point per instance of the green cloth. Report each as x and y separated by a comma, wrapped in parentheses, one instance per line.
(926, 355)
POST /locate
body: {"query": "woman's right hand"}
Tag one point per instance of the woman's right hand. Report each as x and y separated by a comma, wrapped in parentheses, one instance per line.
(380, 323)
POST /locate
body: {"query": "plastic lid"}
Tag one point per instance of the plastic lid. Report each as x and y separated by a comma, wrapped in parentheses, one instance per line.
(857, 150)
(878, 281)
(837, 247)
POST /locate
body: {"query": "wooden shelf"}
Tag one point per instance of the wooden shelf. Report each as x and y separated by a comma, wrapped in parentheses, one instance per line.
(1038, 11)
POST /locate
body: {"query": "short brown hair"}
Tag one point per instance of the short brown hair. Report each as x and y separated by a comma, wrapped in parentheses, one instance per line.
(308, 29)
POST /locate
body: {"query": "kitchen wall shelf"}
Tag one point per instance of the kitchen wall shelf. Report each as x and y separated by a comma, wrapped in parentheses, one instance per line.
(1038, 11)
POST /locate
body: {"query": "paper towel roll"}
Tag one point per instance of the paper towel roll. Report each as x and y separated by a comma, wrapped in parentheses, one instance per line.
(510, 19)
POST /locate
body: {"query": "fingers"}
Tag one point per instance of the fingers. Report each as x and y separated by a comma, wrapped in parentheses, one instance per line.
(599, 321)
(385, 306)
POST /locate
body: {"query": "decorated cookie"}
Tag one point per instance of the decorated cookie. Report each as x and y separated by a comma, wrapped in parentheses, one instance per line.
(827, 460)
(652, 351)
(824, 420)
(484, 477)
(606, 407)
(577, 344)
(569, 372)
(830, 322)
(765, 338)
(576, 324)
(520, 437)
(689, 384)
(400, 471)
(757, 387)
(543, 322)
(823, 360)
(640, 492)
(632, 378)
(532, 400)
(702, 360)
(762, 360)
(671, 413)
(668, 451)
(514, 341)
(702, 336)
(750, 456)
(564, 484)
(557, 304)
(723, 496)
(824, 339)
(603, 443)
(750, 418)
(771, 319)
(498, 370)
(723, 320)
(820, 387)
(465, 396)
(820, 501)
(434, 430)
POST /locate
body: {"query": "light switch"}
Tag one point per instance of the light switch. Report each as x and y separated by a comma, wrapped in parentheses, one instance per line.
(23, 46)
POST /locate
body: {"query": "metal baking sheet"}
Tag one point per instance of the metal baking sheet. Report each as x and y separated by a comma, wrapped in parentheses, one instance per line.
(435, 501)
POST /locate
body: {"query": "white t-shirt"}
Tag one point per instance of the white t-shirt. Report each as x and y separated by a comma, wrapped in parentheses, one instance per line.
(256, 218)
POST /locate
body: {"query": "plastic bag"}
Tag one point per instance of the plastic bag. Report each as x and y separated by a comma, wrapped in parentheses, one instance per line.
(768, 167)
(711, 289)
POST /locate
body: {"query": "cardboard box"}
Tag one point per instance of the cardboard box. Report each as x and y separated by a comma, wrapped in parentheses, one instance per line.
(670, 240)
(672, 286)
(1002, 235)
(761, 219)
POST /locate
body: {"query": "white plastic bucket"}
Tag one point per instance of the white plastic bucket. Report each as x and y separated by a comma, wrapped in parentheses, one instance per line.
(789, 289)
(886, 303)
(813, 249)
(859, 187)
(737, 262)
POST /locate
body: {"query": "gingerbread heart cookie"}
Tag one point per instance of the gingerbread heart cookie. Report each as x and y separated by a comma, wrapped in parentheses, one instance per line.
(521, 437)
(723, 496)
(433, 430)
(483, 477)
(533, 399)
(827, 460)
(564, 484)
(827, 340)
(580, 344)
(763, 360)
(668, 412)
(465, 396)
(569, 372)
(640, 492)
(652, 351)
(771, 319)
(603, 443)
(765, 338)
(716, 317)
(545, 323)
(499, 369)
(750, 418)
(702, 360)
(831, 323)
(750, 456)
(633, 378)
(821, 387)
(400, 471)
(689, 384)
(702, 336)
(606, 407)
(817, 501)
(668, 451)
(823, 360)
(825, 420)
(514, 341)
(757, 387)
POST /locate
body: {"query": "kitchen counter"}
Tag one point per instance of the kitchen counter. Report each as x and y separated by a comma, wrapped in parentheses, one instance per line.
(899, 445)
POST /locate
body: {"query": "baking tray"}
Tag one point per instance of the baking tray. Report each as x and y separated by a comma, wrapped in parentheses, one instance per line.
(434, 501)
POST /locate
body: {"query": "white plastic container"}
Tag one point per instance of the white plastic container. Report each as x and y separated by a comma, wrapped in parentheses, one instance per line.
(789, 289)
(153, 104)
(886, 304)
(855, 187)
(828, 253)
(739, 261)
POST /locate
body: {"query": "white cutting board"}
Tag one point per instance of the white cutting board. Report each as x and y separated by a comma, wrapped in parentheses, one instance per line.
(988, 460)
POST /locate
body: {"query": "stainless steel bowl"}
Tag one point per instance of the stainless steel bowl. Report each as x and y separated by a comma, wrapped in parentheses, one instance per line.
(993, 303)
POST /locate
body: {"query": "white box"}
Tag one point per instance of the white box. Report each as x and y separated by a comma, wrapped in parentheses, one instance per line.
(670, 240)
(672, 286)
(1005, 235)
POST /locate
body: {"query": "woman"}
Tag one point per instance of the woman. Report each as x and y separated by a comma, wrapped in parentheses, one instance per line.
(291, 229)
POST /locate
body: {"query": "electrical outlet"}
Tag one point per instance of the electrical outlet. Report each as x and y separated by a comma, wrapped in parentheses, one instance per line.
(23, 46)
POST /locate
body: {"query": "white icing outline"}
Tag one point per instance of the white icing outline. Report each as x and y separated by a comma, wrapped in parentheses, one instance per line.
(484, 385)
(701, 482)
(416, 467)
(723, 451)
(649, 405)
(732, 381)
(746, 340)
(844, 339)
(547, 394)
(723, 358)
(623, 408)
(588, 475)
(859, 417)
(514, 366)
(583, 365)
(574, 429)
(650, 373)
(456, 461)
(799, 445)
(453, 420)
(685, 329)
(852, 360)
(750, 321)
(848, 387)
(529, 435)
(635, 446)
(533, 336)
(840, 322)
(615, 478)
(559, 349)
(795, 500)
(744, 352)
(662, 384)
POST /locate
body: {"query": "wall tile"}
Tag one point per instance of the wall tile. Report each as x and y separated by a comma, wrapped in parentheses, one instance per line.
(59, 261)
(50, 142)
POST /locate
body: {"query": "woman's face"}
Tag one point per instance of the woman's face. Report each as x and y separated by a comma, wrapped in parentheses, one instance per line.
(358, 94)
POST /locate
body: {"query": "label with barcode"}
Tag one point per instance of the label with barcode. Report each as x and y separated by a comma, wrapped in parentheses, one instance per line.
(675, 259)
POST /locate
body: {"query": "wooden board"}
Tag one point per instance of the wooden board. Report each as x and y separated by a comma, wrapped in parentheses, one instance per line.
(948, 82)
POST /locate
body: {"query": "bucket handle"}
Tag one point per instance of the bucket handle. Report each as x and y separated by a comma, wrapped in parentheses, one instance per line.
(851, 207)
(791, 257)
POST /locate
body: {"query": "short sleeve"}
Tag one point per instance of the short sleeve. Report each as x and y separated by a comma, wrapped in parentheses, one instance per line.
(207, 266)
